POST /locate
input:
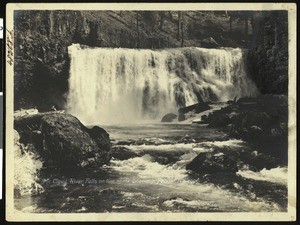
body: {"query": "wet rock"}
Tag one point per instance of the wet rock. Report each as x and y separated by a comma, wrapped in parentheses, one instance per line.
(169, 117)
(230, 128)
(276, 132)
(63, 140)
(192, 109)
(252, 118)
(221, 120)
(255, 131)
(123, 153)
(164, 157)
(196, 108)
(260, 161)
(210, 163)
(181, 117)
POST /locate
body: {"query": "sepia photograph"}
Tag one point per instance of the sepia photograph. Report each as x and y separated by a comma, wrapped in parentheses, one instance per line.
(150, 111)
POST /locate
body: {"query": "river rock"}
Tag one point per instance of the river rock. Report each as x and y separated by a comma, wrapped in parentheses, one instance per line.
(169, 117)
(122, 153)
(260, 161)
(192, 109)
(181, 117)
(63, 141)
(196, 108)
(210, 163)
(221, 120)
(255, 131)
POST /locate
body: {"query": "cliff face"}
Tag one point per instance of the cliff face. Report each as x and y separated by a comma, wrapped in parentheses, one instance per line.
(42, 38)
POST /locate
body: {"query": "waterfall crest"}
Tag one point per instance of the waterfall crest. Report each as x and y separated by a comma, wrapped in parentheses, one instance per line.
(117, 85)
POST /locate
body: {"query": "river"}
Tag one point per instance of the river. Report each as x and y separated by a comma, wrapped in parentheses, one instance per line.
(157, 181)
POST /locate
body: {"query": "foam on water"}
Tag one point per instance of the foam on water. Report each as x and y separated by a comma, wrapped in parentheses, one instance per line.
(164, 147)
(228, 143)
(146, 167)
(173, 180)
(185, 147)
(275, 175)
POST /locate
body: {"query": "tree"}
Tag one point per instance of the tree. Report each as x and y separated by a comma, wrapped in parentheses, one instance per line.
(178, 25)
(137, 29)
(182, 28)
(162, 15)
(151, 19)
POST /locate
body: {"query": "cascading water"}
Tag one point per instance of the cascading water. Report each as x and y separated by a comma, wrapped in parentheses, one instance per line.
(126, 85)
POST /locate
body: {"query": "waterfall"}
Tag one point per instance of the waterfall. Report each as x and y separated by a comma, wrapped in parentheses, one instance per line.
(117, 85)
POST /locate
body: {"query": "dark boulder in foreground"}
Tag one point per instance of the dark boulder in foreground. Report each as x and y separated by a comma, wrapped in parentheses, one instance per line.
(62, 141)
(169, 117)
(209, 163)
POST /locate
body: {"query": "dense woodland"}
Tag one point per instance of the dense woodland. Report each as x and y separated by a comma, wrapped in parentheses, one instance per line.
(42, 37)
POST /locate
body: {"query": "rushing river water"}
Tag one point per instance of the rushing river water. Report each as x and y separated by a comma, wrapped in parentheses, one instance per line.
(157, 181)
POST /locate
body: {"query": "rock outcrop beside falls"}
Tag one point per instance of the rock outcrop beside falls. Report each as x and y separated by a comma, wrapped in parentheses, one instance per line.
(260, 121)
(62, 141)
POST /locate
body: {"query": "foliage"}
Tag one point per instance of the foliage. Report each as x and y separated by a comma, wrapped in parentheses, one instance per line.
(268, 59)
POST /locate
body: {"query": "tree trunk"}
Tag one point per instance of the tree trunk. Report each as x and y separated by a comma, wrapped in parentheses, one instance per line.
(178, 25)
(276, 32)
(230, 24)
(182, 36)
(254, 24)
(246, 31)
(162, 19)
(137, 30)
(246, 26)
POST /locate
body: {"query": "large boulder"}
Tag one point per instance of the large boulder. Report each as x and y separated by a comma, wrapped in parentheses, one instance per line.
(212, 162)
(63, 141)
(169, 117)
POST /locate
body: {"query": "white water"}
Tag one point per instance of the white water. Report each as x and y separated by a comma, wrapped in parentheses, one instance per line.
(275, 175)
(197, 147)
(149, 183)
(128, 85)
(168, 181)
